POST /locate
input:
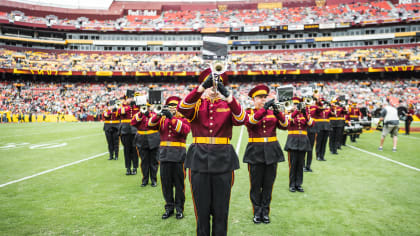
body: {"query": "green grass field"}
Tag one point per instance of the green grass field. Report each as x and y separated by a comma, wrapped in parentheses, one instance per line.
(354, 193)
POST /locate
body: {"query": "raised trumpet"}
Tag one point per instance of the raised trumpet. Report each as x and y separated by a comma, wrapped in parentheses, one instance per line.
(143, 109)
(158, 108)
(284, 106)
(218, 67)
(308, 100)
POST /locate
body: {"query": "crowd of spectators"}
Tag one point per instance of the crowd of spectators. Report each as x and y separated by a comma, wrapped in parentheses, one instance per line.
(90, 99)
(304, 60)
(355, 12)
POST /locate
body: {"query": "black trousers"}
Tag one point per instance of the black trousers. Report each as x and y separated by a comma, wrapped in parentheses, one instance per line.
(335, 137)
(172, 175)
(113, 141)
(407, 125)
(296, 162)
(321, 143)
(340, 136)
(149, 164)
(130, 155)
(262, 179)
(211, 196)
(312, 137)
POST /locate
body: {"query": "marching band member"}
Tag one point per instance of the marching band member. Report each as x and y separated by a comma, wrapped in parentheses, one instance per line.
(337, 126)
(111, 126)
(311, 110)
(355, 115)
(147, 144)
(322, 126)
(263, 151)
(126, 112)
(211, 159)
(409, 118)
(297, 144)
(173, 129)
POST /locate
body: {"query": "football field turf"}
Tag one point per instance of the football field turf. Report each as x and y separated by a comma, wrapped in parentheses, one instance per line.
(55, 179)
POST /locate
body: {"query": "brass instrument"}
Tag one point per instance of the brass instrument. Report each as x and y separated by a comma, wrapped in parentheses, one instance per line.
(156, 98)
(143, 109)
(159, 108)
(142, 102)
(217, 69)
(308, 100)
(284, 106)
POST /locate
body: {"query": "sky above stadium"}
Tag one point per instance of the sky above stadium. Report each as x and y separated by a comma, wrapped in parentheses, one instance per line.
(96, 4)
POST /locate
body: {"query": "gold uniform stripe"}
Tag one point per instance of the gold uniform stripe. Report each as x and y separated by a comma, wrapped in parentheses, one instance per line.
(298, 132)
(112, 121)
(147, 132)
(321, 120)
(262, 140)
(211, 140)
(172, 144)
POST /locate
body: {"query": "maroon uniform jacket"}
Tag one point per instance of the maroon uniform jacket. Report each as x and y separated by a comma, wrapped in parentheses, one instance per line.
(211, 126)
(297, 139)
(354, 113)
(111, 120)
(263, 146)
(145, 137)
(311, 110)
(126, 113)
(322, 119)
(173, 134)
(338, 119)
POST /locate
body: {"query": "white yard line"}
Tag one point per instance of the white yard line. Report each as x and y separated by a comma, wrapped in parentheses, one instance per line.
(238, 145)
(407, 136)
(67, 139)
(51, 170)
(384, 158)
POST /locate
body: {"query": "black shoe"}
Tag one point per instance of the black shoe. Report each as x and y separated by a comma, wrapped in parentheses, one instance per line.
(143, 184)
(154, 184)
(300, 189)
(307, 169)
(257, 219)
(110, 158)
(323, 159)
(116, 158)
(266, 220)
(134, 171)
(167, 214)
(292, 189)
(339, 148)
(128, 172)
(179, 215)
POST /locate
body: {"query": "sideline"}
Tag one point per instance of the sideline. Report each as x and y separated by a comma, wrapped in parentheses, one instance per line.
(385, 158)
(51, 170)
(238, 145)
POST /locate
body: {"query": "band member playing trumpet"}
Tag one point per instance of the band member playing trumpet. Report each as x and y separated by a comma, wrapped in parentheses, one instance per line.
(127, 132)
(211, 159)
(322, 126)
(263, 151)
(311, 109)
(297, 144)
(337, 126)
(111, 126)
(173, 129)
(147, 144)
(355, 116)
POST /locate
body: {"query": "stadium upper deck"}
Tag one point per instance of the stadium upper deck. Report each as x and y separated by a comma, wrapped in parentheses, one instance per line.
(212, 18)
